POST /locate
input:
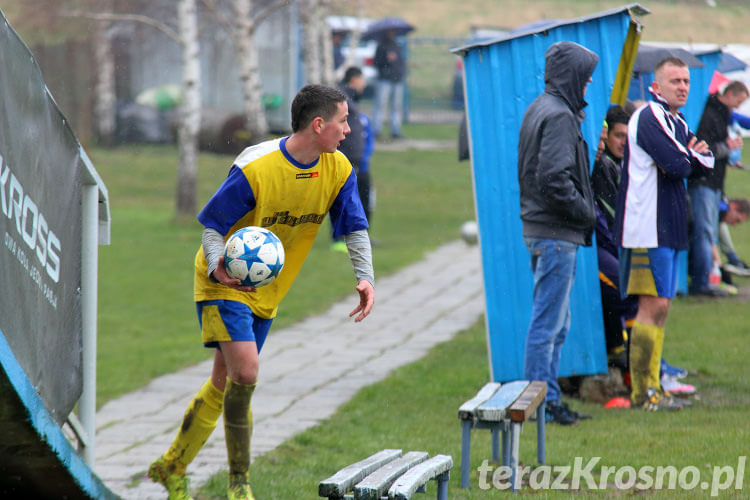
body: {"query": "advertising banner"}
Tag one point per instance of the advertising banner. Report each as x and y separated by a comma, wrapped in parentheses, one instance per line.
(40, 230)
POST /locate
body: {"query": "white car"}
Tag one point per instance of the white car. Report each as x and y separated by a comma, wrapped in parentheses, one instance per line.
(364, 52)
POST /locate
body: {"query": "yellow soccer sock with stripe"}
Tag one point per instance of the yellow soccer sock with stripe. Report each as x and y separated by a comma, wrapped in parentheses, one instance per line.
(198, 423)
(646, 343)
(238, 427)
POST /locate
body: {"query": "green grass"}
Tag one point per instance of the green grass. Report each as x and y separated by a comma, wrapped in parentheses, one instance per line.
(416, 409)
(146, 311)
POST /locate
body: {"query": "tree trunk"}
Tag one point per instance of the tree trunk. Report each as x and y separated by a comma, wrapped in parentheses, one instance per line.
(311, 34)
(243, 32)
(190, 110)
(326, 44)
(105, 96)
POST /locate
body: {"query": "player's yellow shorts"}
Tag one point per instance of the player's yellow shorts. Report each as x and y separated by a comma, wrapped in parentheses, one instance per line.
(229, 320)
(649, 271)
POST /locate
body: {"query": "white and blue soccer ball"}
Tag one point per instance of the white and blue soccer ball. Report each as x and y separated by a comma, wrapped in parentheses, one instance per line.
(254, 255)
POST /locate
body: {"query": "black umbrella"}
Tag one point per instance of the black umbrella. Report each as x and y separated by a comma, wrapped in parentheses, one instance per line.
(379, 28)
(650, 56)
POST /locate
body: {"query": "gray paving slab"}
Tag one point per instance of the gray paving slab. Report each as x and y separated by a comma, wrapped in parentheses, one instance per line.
(308, 370)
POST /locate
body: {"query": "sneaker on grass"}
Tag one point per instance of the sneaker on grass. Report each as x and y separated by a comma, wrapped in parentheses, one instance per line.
(674, 386)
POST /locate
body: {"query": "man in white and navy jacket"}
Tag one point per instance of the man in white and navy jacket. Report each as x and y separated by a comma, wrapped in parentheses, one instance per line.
(651, 221)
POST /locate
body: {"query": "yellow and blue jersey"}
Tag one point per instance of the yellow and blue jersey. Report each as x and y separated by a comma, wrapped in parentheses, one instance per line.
(267, 187)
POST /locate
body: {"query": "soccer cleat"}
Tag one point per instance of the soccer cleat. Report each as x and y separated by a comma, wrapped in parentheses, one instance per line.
(177, 486)
(675, 387)
(655, 400)
(672, 371)
(239, 488)
(575, 414)
(339, 246)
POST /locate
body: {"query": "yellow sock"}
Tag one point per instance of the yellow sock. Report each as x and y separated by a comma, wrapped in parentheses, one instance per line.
(645, 354)
(197, 425)
(238, 426)
(654, 367)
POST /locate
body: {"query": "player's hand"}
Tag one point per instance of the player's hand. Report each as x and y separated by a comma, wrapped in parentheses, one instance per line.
(699, 147)
(366, 300)
(220, 273)
(734, 142)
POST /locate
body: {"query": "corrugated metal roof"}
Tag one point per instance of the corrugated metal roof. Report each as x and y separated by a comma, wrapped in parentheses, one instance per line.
(502, 77)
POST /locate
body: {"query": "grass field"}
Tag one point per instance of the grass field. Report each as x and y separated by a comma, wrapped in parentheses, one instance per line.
(416, 409)
(146, 312)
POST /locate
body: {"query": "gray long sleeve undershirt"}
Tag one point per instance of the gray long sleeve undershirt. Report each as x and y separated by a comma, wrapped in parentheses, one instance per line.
(358, 244)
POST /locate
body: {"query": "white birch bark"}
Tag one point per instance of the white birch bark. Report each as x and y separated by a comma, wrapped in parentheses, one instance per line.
(190, 109)
(326, 44)
(311, 37)
(104, 89)
(243, 33)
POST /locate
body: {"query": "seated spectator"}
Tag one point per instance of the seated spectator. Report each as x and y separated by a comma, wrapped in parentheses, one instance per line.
(731, 213)
(605, 179)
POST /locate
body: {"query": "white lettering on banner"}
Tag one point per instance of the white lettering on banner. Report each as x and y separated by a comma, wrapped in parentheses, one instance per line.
(30, 222)
(32, 270)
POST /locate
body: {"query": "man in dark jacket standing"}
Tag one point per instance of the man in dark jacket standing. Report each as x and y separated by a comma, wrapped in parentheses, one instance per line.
(391, 65)
(705, 188)
(557, 209)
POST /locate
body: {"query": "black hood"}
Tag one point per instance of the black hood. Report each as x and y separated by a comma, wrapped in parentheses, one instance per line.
(568, 67)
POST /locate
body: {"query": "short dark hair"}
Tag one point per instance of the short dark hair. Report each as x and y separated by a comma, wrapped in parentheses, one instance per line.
(735, 87)
(313, 101)
(351, 72)
(673, 60)
(742, 205)
(617, 115)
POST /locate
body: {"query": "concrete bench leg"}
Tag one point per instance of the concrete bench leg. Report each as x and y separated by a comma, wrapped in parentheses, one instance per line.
(495, 445)
(540, 438)
(515, 435)
(442, 485)
(465, 452)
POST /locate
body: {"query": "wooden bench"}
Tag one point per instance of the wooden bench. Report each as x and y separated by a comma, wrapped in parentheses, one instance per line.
(388, 474)
(502, 408)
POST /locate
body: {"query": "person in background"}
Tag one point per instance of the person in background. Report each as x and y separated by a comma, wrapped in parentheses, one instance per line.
(557, 209)
(605, 179)
(390, 63)
(358, 145)
(705, 187)
(651, 222)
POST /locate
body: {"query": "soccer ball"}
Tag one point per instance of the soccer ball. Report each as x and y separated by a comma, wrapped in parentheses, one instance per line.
(254, 255)
(470, 232)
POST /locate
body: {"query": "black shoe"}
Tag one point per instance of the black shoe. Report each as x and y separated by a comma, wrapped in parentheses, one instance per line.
(576, 415)
(559, 414)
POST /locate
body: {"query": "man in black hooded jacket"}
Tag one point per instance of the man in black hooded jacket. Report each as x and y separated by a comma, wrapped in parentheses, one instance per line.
(557, 209)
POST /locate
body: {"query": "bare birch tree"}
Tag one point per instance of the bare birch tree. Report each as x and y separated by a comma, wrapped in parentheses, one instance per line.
(190, 109)
(104, 89)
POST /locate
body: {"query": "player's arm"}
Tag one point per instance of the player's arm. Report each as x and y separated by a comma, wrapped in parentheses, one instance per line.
(348, 220)
(360, 253)
(232, 201)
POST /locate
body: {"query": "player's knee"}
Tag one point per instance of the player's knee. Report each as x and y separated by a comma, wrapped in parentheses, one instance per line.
(246, 375)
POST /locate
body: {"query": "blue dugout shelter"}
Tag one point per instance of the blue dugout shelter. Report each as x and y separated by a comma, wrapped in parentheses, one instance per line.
(501, 78)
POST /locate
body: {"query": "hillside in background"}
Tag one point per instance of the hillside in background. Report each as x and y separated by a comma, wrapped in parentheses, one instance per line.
(670, 20)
